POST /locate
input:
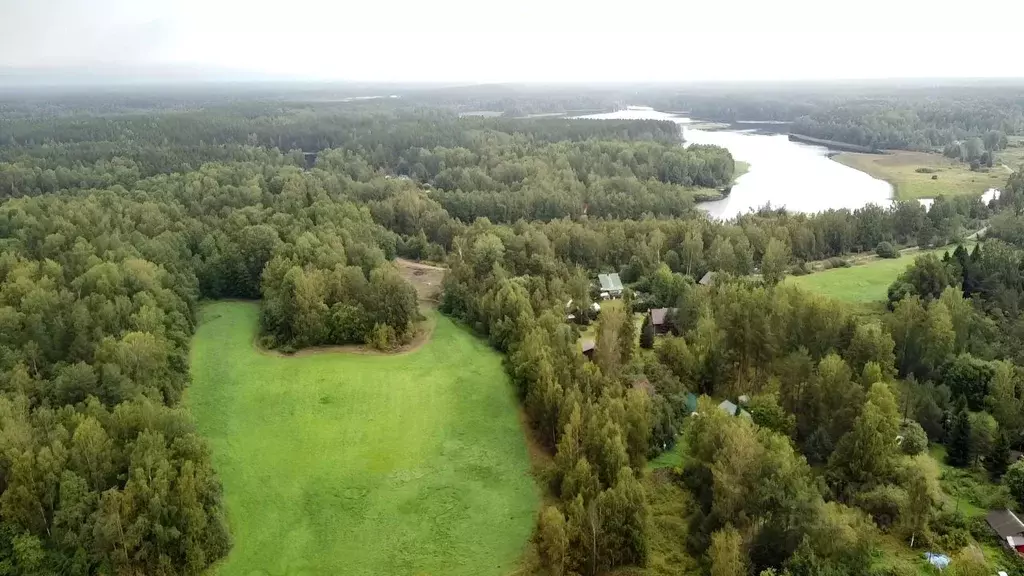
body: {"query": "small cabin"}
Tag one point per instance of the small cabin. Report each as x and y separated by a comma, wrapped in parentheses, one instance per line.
(659, 319)
(733, 410)
(611, 285)
(1008, 527)
(588, 346)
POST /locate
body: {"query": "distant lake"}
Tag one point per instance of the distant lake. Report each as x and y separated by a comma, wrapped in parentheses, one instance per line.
(800, 177)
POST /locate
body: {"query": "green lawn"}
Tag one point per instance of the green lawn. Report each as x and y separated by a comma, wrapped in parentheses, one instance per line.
(867, 280)
(672, 458)
(1012, 156)
(338, 463)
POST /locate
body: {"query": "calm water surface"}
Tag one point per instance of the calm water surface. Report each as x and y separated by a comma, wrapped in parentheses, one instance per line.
(797, 176)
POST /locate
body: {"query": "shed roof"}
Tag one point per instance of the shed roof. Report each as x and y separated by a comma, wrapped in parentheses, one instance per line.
(707, 279)
(691, 402)
(610, 282)
(728, 407)
(658, 316)
(1005, 523)
(587, 345)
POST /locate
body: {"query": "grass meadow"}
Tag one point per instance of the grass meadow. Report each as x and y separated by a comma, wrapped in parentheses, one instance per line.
(868, 280)
(345, 463)
(899, 168)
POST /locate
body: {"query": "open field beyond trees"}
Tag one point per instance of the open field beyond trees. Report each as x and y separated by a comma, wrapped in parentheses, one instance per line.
(363, 464)
(1013, 155)
(900, 168)
(867, 280)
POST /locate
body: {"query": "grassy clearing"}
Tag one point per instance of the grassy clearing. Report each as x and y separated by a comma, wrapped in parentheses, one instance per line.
(867, 281)
(899, 168)
(425, 278)
(362, 464)
(669, 505)
(668, 459)
(969, 490)
(1012, 156)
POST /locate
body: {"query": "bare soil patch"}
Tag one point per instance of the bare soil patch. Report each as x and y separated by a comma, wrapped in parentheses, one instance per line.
(426, 278)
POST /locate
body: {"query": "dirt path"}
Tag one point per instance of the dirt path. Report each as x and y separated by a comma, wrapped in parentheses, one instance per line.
(426, 278)
(421, 265)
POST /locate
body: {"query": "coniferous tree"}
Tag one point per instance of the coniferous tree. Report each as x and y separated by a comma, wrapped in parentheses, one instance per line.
(647, 334)
(999, 458)
(958, 449)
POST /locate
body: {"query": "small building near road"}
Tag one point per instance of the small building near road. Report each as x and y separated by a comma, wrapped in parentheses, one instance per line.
(659, 318)
(1008, 527)
(611, 285)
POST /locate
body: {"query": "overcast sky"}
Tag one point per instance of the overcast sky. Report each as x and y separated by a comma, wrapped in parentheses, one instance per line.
(524, 40)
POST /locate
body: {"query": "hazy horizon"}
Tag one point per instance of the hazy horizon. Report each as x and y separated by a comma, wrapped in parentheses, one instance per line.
(458, 42)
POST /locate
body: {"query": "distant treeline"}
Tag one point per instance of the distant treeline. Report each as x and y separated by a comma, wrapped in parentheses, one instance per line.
(874, 115)
(503, 169)
(833, 144)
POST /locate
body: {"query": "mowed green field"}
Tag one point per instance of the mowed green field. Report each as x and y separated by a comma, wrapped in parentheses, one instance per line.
(342, 463)
(867, 281)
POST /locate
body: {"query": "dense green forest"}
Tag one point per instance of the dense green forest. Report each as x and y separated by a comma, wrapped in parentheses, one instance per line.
(117, 218)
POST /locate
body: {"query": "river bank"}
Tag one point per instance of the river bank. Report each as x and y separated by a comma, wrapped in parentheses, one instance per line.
(774, 171)
(924, 175)
(833, 144)
(787, 174)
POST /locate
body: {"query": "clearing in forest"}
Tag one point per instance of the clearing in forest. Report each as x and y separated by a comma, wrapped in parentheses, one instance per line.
(363, 464)
(425, 278)
(867, 280)
(925, 175)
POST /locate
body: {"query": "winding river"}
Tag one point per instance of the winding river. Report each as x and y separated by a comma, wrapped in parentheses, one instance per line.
(799, 177)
